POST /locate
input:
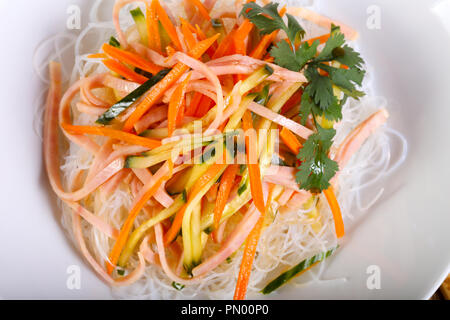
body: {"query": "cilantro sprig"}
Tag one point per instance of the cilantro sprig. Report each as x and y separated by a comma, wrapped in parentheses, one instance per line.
(328, 88)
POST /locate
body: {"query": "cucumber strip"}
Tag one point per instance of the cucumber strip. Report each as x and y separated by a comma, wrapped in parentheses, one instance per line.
(141, 23)
(196, 232)
(164, 152)
(255, 79)
(164, 37)
(296, 271)
(218, 27)
(126, 102)
(187, 217)
(159, 133)
(139, 233)
(275, 105)
(114, 42)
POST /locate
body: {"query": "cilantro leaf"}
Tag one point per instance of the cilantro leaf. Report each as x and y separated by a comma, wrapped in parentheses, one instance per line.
(332, 113)
(284, 56)
(316, 169)
(306, 52)
(346, 79)
(294, 30)
(350, 57)
(335, 41)
(267, 20)
(320, 87)
(258, 16)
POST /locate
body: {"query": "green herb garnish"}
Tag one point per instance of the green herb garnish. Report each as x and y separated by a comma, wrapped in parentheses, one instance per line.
(328, 88)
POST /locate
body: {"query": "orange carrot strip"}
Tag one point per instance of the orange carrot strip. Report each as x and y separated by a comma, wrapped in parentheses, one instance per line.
(202, 36)
(175, 104)
(241, 35)
(240, 44)
(205, 104)
(253, 168)
(158, 90)
(153, 28)
(125, 72)
(187, 33)
(261, 48)
(210, 174)
(201, 9)
(167, 24)
(130, 58)
(128, 225)
(336, 210)
(114, 134)
(292, 102)
(170, 51)
(226, 184)
(98, 56)
(225, 45)
(322, 39)
(290, 140)
(211, 195)
(192, 109)
(249, 255)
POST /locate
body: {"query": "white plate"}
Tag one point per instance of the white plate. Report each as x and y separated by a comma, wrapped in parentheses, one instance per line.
(405, 235)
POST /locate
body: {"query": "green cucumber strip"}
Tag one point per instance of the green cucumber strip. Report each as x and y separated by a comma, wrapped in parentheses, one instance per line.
(141, 23)
(114, 42)
(126, 102)
(164, 36)
(291, 273)
(143, 73)
(177, 286)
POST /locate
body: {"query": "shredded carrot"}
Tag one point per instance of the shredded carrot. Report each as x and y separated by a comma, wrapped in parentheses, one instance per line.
(292, 102)
(241, 35)
(290, 140)
(125, 72)
(253, 168)
(130, 58)
(158, 90)
(336, 210)
(170, 51)
(98, 56)
(167, 24)
(201, 9)
(115, 134)
(206, 178)
(176, 104)
(249, 255)
(259, 51)
(240, 43)
(201, 35)
(192, 109)
(226, 183)
(188, 36)
(128, 225)
(211, 195)
(322, 39)
(224, 46)
(206, 103)
(153, 28)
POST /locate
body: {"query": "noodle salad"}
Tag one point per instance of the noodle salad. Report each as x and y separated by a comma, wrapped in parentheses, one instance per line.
(212, 149)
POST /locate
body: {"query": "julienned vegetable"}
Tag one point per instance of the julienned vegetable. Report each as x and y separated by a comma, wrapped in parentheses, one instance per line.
(187, 169)
(141, 23)
(302, 267)
(119, 107)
